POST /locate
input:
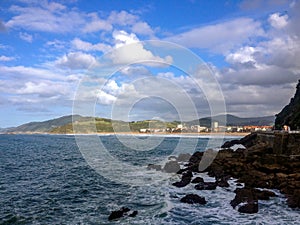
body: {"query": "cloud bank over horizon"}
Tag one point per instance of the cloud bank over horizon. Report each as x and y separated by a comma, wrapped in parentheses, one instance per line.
(47, 47)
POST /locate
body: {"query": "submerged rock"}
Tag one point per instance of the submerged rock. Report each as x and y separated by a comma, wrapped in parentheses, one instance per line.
(154, 167)
(193, 199)
(118, 213)
(206, 186)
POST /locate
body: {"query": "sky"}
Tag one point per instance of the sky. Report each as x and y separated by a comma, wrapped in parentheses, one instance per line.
(95, 58)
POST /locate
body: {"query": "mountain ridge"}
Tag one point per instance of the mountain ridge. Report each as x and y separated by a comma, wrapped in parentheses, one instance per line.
(64, 124)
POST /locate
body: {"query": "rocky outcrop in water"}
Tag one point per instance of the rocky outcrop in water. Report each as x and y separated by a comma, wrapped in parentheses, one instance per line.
(124, 211)
(270, 160)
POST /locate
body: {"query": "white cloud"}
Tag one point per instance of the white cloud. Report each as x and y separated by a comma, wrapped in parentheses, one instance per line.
(105, 98)
(44, 89)
(122, 18)
(142, 28)
(52, 17)
(130, 50)
(96, 24)
(26, 37)
(6, 58)
(278, 21)
(76, 60)
(220, 37)
(22, 72)
(87, 46)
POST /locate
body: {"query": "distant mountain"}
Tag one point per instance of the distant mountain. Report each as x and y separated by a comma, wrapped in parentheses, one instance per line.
(64, 124)
(232, 120)
(44, 126)
(290, 114)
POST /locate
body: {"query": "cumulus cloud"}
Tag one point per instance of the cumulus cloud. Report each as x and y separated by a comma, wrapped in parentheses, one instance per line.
(47, 17)
(87, 46)
(220, 37)
(76, 60)
(26, 37)
(142, 28)
(96, 24)
(278, 21)
(122, 18)
(130, 50)
(4, 58)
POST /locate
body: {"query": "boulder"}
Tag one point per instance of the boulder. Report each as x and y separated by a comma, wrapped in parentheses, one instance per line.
(171, 167)
(197, 180)
(185, 179)
(293, 200)
(206, 186)
(118, 213)
(193, 199)
(248, 200)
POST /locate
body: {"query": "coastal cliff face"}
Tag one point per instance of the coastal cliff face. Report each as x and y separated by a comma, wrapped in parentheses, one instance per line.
(290, 114)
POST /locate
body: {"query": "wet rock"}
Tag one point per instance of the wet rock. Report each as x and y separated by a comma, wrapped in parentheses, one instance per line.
(183, 157)
(222, 182)
(247, 141)
(197, 180)
(264, 194)
(185, 179)
(118, 213)
(247, 199)
(293, 200)
(206, 186)
(196, 158)
(171, 167)
(193, 199)
(133, 214)
(250, 207)
(154, 167)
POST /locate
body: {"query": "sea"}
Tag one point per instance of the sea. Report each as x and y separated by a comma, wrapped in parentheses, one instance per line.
(54, 179)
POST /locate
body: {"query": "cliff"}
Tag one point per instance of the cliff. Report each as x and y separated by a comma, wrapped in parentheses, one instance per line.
(290, 114)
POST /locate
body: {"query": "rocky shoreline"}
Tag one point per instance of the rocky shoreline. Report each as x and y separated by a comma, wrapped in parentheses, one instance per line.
(258, 166)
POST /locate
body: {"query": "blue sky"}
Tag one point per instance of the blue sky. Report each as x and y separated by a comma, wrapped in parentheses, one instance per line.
(47, 48)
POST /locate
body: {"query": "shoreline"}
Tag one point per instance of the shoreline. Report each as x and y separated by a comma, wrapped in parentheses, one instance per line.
(213, 134)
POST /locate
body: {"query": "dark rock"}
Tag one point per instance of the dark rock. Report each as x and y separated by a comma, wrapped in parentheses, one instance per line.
(206, 186)
(247, 141)
(249, 207)
(196, 158)
(118, 213)
(293, 200)
(248, 198)
(193, 199)
(264, 194)
(185, 179)
(197, 180)
(154, 167)
(222, 183)
(290, 114)
(133, 214)
(172, 167)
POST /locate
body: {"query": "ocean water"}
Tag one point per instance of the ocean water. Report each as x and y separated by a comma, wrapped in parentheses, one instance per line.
(44, 179)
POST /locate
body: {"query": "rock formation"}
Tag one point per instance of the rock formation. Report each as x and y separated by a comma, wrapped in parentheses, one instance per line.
(290, 114)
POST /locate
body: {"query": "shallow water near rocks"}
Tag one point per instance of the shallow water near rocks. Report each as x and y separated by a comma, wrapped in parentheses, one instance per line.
(45, 180)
